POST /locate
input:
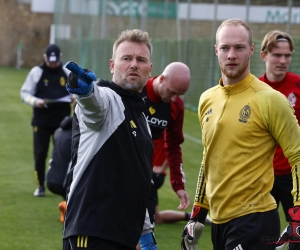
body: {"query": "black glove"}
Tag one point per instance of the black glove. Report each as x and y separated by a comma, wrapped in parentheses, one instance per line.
(291, 234)
(80, 81)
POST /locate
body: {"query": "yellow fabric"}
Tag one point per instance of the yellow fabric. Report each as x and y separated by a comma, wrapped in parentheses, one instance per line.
(241, 125)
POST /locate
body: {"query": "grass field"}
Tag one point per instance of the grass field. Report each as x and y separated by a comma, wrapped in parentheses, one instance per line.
(33, 223)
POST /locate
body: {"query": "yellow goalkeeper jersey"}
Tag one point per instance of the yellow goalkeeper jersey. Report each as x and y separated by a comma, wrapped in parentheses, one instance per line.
(241, 126)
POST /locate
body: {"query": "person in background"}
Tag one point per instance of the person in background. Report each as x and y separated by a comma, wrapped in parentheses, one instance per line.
(110, 178)
(164, 111)
(242, 121)
(277, 48)
(45, 90)
(60, 162)
(276, 51)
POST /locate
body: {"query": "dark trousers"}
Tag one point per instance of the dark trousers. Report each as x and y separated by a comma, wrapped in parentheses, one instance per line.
(92, 243)
(257, 231)
(283, 185)
(41, 141)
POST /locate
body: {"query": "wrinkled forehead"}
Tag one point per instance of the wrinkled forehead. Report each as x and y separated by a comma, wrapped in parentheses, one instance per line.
(133, 49)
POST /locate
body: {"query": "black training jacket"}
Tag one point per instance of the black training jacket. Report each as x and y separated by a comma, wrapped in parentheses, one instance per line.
(110, 177)
(48, 84)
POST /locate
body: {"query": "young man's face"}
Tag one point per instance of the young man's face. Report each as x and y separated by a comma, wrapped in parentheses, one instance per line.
(131, 66)
(277, 61)
(234, 52)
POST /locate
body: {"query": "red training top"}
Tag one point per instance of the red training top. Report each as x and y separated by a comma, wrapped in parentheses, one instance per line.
(168, 145)
(290, 87)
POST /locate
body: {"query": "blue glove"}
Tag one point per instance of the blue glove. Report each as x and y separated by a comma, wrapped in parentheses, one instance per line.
(80, 81)
(147, 242)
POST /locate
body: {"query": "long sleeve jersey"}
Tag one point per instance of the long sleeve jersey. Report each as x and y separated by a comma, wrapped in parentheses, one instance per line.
(290, 87)
(110, 178)
(45, 83)
(241, 126)
(166, 118)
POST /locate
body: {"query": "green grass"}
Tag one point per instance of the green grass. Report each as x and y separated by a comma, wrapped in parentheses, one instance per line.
(33, 223)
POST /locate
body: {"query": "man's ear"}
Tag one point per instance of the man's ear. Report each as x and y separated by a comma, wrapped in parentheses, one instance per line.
(263, 55)
(45, 57)
(112, 66)
(161, 78)
(150, 71)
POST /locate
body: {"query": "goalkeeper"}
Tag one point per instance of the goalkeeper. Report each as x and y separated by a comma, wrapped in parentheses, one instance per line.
(242, 120)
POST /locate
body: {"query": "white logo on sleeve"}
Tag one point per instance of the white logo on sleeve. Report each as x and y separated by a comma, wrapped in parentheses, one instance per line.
(239, 247)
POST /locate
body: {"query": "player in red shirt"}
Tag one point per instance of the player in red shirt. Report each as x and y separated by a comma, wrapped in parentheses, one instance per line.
(276, 50)
(164, 111)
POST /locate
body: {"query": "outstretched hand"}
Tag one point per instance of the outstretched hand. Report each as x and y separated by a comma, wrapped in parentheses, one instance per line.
(80, 81)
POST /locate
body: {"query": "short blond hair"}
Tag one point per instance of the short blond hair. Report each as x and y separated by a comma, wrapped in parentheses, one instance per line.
(236, 22)
(135, 35)
(273, 37)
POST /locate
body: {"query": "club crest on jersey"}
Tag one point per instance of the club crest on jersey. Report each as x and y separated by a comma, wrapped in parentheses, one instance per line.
(62, 81)
(245, 113)
(132, 125)
(292, 99)
(152, 110)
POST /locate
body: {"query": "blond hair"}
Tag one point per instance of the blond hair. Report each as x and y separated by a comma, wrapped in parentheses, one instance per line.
(273, 37)
(236, 22)
(135, 35)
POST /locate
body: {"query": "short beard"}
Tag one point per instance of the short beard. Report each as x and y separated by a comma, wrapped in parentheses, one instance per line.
(234, 75)
(131, 86)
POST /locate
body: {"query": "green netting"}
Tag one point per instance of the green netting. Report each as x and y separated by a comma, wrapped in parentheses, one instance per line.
(85, 31)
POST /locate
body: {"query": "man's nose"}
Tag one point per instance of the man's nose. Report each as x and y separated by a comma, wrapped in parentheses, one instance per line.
(283, 59)
(231, 53)
(134, 64)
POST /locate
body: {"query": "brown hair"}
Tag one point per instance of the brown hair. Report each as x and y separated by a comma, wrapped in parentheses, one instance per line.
(135, 35)
(236, 22)
(273, 37)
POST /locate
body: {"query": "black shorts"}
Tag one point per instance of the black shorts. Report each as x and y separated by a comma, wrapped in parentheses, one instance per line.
(257, 231)
(91, 243)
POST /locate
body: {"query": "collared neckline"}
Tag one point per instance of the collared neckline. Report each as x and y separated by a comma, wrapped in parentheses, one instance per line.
(238, 87)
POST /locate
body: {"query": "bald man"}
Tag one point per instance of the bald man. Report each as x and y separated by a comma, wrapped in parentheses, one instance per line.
(164, 110)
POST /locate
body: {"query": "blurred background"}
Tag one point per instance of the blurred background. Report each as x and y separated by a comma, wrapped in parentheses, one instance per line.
(181, 30)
